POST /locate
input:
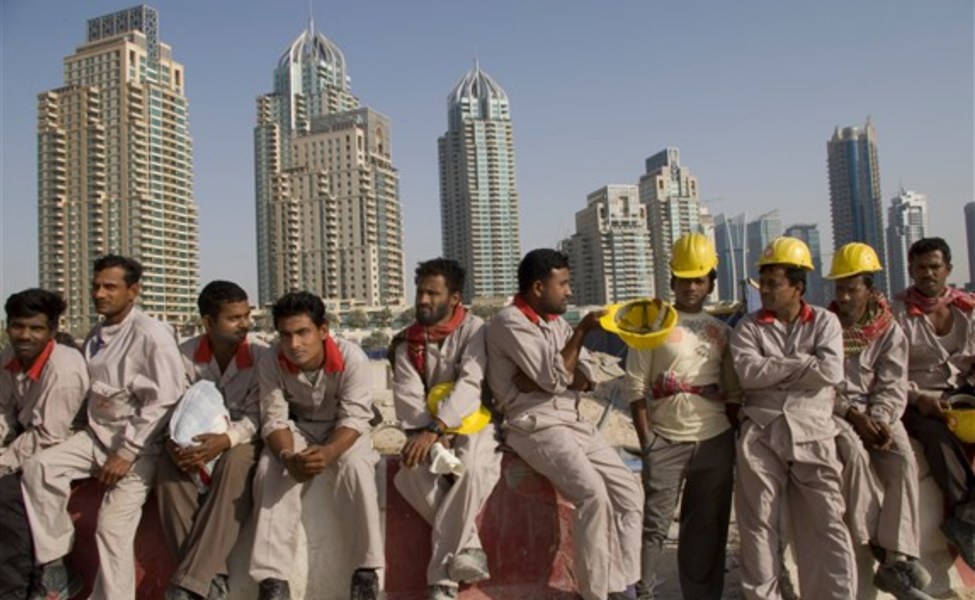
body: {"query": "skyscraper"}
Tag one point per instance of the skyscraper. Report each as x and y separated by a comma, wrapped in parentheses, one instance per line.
(970, 235)
(730, 242)
(854, 190)
(907, 222)
(328, 213)
(816, 288)
(114, 170)
(610, 252)
(761, 231)
(671, 195)
(478, 196)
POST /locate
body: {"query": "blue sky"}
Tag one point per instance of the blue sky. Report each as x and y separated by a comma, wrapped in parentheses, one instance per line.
(749, 91)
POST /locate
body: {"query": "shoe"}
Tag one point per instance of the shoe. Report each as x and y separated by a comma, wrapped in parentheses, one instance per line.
(468, 566)
(441, 592)
(918, 574)
(178, 593)
(219, 588)
(643, 592)
(274, 589)
(56, 582)
(365, 585)
(895, 579)
(620, 596)
(961, 535)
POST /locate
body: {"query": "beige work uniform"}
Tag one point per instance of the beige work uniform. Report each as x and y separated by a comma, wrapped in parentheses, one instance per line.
(136, 377)
(37, 406)
(202, 530)
(450, 506)
(788, 373)
(340, 397)
(546, 430)
(875, 383)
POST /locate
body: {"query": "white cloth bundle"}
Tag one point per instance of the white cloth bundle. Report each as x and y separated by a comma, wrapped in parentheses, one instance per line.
(445, 462)
(200, 410)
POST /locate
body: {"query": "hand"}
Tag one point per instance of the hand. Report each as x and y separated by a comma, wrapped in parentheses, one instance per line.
(932, 407)
(181, 458)
(209, 446)
(310, 462)
(887, 439)
(590, 321)
(114, 469)
(417, 448)
(865, 427)
(525, 383)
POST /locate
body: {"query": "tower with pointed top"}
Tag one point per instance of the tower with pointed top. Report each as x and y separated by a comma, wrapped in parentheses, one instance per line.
(478, 195)
(327, 194)
(907, 222)
(854, 190)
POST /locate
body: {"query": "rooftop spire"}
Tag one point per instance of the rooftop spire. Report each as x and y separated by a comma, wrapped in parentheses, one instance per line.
(311, 18)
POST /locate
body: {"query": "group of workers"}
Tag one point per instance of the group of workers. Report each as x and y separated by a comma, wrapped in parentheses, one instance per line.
(797, 406)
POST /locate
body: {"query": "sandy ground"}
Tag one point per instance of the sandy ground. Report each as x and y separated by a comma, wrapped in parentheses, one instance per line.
(618, 428)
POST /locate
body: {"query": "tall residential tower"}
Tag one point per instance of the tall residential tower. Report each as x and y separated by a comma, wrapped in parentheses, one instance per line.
(478, 196)
(907, 222)
(854, 191)
(328, 212)
(114, 170)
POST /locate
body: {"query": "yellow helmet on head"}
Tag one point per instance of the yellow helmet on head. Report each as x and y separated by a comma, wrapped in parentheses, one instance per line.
(471, 424)
(787, 251)
(642, 324)
(853, 259)
(693, 256)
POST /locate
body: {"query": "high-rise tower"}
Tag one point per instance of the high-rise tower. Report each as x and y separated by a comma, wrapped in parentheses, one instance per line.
(478, 195)
(114, 170)
(328, 213)
(854, 191)
(907, 222)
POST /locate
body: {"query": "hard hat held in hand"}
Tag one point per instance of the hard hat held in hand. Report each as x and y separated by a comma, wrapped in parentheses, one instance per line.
(692, 256)
(471, 424)
(961, 417)
(642, 324)
(787, 251)
(853, 259)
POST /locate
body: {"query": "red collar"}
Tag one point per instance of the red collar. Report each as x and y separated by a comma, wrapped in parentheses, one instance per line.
(39, 363)
(333, 359)
(529, 312)
(242, 356)
(806, 315)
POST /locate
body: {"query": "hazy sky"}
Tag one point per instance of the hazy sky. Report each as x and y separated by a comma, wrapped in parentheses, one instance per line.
(749, 91)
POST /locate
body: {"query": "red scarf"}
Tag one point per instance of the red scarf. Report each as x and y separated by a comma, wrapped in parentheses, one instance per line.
(418, 336)
(874, 323)
(918, 304)
(527, 310)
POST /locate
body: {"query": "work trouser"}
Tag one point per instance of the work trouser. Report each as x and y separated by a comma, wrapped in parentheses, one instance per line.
(16, 548)
(451, 504)
(705, 470)
(861, 494)
(278, 506)
(949, 464)
(589, 473)
(47, 487)
(894, 523)
(769, 465)
(201, 530)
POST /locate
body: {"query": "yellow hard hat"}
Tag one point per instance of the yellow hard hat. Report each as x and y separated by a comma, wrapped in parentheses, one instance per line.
(471, 424)
(787, 251)
(852, 259)
(692, 256)
(961, 418)
(642, 324)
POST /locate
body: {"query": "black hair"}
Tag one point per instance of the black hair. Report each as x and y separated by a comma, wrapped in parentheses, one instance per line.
(931, 244)
(132, 267)
(451, 271)
(299, 303)
(795, 275)
(712, 277)
(35, 301)
(217, 293)
(538, 265)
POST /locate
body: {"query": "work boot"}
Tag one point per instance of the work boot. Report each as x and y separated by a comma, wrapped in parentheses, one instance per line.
(56, 582)
(178, 593)
(643, 592)
(962, 536)
(620, 596)
(274, 589)
(365, 585)
(468, 566)
(895, 579)
(441, 592)
(219, 588)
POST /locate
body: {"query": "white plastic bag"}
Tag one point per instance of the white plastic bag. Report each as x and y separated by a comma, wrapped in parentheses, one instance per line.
(200, 410)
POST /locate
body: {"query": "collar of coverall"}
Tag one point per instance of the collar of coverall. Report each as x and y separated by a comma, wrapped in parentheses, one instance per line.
(39, 363)
(806, 314)
(529, 312)
(242, 356)
(333, 359)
